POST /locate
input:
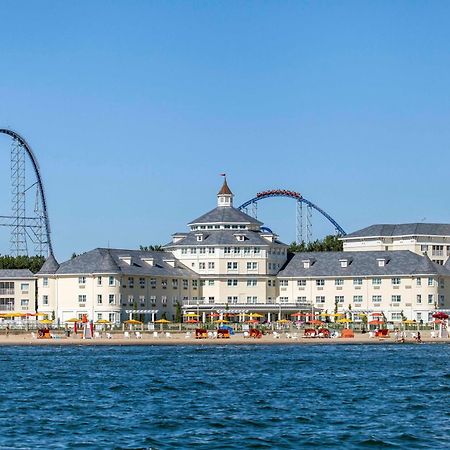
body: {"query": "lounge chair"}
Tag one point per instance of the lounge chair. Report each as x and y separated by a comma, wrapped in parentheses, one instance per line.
(126, 335)
(108, 336)
(168, 335)
(188, 335)
(155, 334)
(97, 335)
(246, 334)
(33, 335)
(138, 335)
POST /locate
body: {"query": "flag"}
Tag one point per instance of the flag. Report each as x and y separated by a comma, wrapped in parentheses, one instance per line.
(223, 174)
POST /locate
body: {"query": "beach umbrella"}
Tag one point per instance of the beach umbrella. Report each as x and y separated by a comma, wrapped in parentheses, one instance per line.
(190, 314)
(214, 315)
(256, 315)
(103, 321)
(376, 322)
(283, 321)
(344, 320)
(73, 320)
(315, 322)
(133, 322)
(162, 321)
(252, 321)
(440, 315)
(46, 321)
(376, 314)
(191, 321)
(222, 321)
(409, 322)
(42, 314)
(297, 314)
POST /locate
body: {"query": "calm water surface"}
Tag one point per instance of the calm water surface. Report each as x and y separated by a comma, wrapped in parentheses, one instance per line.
(225, 397)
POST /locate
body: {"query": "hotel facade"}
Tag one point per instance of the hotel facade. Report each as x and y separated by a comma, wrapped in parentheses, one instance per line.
(227, 262)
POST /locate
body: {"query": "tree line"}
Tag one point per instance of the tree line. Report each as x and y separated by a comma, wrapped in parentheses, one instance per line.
(33, 263)
(330, 243)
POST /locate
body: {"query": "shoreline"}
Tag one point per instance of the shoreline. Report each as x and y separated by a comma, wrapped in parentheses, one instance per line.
(27, 340)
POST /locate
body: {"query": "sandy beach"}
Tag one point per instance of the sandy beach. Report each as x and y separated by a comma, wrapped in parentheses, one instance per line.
(181, 339)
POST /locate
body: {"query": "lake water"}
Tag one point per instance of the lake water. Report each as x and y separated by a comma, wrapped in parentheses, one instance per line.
(225, 397)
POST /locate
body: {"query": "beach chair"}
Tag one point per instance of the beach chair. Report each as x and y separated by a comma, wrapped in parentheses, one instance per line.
(97, 335)
(138, 335)
(108, 336)
(246, 334)
(126, 335)
(168, 335)
(155, 334)
(433, 334)
(276, 335)
(33, 335)
(188, 335)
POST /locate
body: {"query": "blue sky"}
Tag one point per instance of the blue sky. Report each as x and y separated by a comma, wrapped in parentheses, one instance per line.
(135, 107)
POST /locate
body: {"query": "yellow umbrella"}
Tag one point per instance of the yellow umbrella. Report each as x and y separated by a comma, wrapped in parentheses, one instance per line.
(283, 321)
(221, 321)
(344, 320)
(73, 320)
(103, 321)
(42, 314)
(162, 321)
(190, 314)
(46, 321)
(409, 322)
(256, 315)
(133, 322)
(13, 314)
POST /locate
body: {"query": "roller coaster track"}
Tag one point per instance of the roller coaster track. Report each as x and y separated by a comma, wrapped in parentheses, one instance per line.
(22, 142)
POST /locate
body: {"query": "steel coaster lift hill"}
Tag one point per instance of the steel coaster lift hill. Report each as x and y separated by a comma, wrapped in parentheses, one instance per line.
(26, 229)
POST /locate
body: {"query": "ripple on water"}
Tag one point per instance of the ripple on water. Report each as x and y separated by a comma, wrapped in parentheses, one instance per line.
(232, 397)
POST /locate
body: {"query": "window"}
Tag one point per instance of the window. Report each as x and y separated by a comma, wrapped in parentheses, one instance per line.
(256, 250)
(45, 281)
(202, 250)
(419, 299)
(193, 251)
(164, 300)
(376, 298)
(357, 281)
(339, 282)
(252, 282)
(320, 299)
(301, 282)
(24, 303)
(99, 299)
(164, 284)
(194, 284)
(395, 281)
(210, 282)
(424, 248)
(211, 265)
(252, 266)
(418, 281)
(202, 266)
(232, 299)
(112, 317)
(99, 316)
(24, 287)
(153, 283)
(339, 299)
(202, 282)
(82, 298)
(227, 250)
(232, 282)
(112, 299)
(130, 282)
(357, 298)
(396, 316)
(320, 282)
(211, 250)
(430, 299)
(284, 283)
(99, 281)
(130, 299)
(437, 250)
(185, 284)
(81, 280)
(301, 299)
(396, 298)
(252, 300)
(232, 265)
(153, 300)
(430, 281)
(237, 250)
(111, 281)
(376, 281)
(284, 299)
(183, 251)
(142, 283)
(210, 300)
(441, 300)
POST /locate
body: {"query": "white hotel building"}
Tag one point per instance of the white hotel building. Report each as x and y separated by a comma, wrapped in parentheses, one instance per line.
(226, 262)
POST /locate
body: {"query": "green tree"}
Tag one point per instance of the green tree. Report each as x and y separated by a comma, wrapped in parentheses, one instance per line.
(151, 248)
(330, 243)
(178, 317)
(33, 263)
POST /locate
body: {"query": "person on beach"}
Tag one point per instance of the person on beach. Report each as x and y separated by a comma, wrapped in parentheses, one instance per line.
(7, 330)
(419, 337)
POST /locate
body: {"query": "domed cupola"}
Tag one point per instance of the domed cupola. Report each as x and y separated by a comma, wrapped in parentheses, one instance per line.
(225, 196)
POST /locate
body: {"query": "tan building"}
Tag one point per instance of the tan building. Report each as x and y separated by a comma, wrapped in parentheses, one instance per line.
(115, 284)
(432, 239)
(17, 291)
(399, 284)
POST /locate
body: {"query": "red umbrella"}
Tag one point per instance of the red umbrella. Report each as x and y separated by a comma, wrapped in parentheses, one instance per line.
(376, 314)
(191, 321)
(315, 322)
(252, 321)
(440, 315)
(376, 322)
(297, 314)
(213, 315)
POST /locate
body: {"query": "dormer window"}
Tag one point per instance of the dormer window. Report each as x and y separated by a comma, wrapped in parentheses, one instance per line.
(306, 263)
(199, 237)
(381, 262)
(240, 237)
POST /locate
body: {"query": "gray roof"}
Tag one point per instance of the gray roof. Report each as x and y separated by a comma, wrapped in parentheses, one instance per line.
(107, 261)
(225, 214)
(15, 273)
(402, 229)
(223, 237)
(327, 264)
(50, 266)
